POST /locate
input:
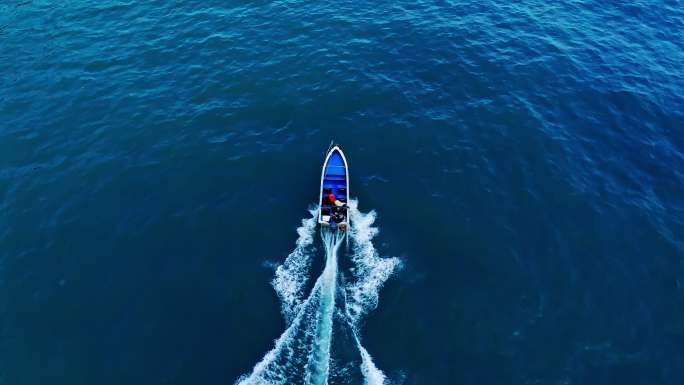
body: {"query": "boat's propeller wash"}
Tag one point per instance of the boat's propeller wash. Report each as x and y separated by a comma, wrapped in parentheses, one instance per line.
(322, 344)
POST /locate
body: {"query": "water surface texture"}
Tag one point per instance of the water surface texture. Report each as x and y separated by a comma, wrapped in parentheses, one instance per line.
(524, 159)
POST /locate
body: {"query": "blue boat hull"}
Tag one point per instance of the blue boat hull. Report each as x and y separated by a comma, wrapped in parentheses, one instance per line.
(334, 180)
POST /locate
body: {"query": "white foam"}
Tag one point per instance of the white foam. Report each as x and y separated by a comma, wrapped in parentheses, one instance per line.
(371, 374)
(319, 359)
(370, 270)
(312, 319)
(267, 371)
(303, 352)
(291, 276)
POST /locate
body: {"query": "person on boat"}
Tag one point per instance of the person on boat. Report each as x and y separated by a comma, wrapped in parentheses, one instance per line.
(332, 200)
(338, 214)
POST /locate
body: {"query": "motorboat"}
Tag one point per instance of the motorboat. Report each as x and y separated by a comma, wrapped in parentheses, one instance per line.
(334, 194)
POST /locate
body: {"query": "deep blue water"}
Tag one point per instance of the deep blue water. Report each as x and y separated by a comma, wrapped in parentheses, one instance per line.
(525, 160)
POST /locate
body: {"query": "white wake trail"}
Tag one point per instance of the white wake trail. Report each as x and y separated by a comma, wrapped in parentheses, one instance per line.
(370, 270)
(319, 360)
(371, 374)
(310, 331)
(291, 276)
(303, 353)
(270, 370)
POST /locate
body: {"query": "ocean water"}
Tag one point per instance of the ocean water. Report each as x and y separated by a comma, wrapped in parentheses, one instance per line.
(521, 162)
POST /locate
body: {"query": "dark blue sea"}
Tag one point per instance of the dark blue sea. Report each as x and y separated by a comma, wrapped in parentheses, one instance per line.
(517, 169)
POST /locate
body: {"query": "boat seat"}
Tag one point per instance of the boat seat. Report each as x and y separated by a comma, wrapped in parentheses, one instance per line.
(342, 190)
(327, 190)
(325, 211)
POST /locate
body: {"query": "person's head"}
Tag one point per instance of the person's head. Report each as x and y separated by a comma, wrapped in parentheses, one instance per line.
(331, 198)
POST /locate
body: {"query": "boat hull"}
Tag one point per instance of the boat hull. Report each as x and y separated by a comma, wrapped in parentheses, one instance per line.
(334, 180)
